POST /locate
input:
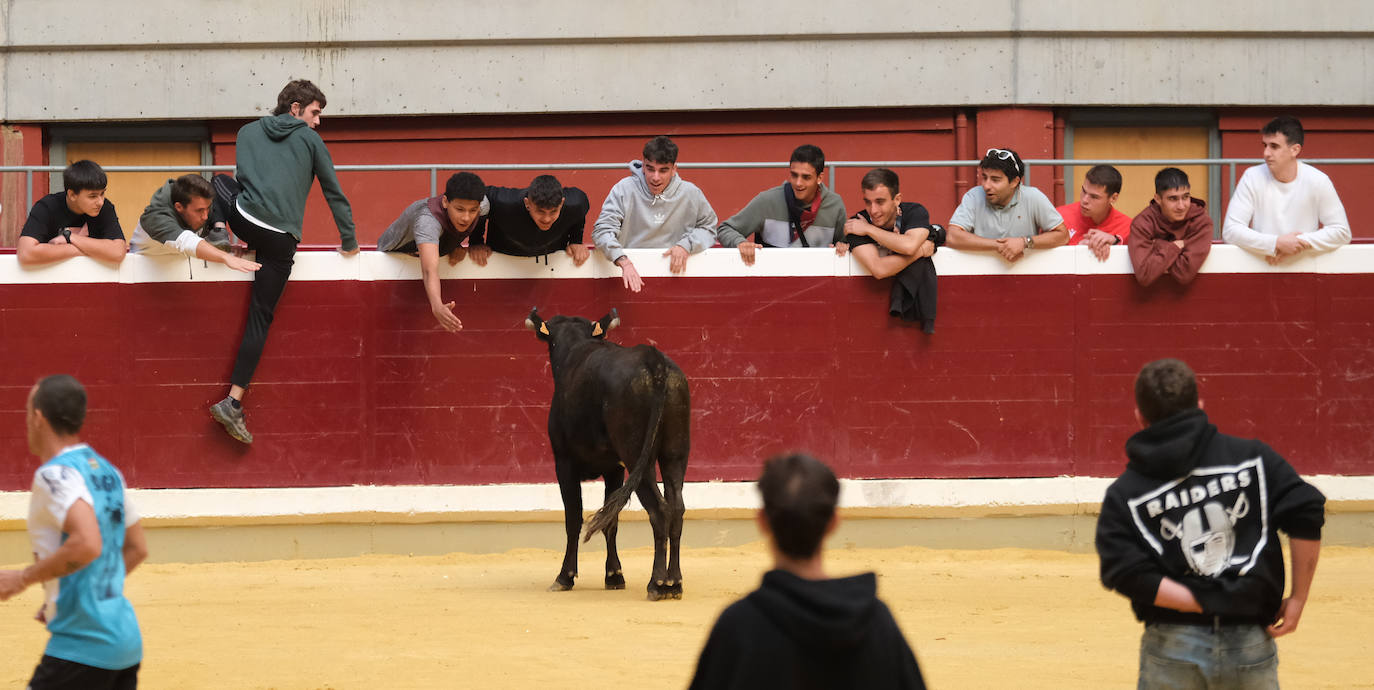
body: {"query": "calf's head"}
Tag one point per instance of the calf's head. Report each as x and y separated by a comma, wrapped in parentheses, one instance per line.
(570, 329)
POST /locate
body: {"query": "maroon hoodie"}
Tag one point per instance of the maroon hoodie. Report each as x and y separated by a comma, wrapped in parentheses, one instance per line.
(1153, 252)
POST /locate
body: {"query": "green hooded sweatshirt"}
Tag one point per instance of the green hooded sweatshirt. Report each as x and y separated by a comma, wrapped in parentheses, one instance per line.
(279, 157)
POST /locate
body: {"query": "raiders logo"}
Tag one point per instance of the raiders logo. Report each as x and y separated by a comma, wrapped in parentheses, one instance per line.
(1215, 519)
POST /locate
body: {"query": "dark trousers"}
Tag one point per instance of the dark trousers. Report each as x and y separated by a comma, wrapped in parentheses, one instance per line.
(276, 252)
(59, 674)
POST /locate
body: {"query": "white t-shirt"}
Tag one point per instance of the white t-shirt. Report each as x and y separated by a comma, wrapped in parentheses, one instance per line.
(1264, 208)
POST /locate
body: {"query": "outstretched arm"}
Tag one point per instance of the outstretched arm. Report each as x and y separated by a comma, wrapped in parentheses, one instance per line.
(429, 273)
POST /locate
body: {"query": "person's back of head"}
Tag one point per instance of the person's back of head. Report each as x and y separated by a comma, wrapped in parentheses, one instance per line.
(1289, 127)
(466, 186)
(1164, 388)
(191, 185)
(881, 177)
(545, 192)
(1170, 178)
(84, 175)
(799, 498)
(1105, 176)
(661, 150)
(811, 155)
(301, 91)
(62, 401)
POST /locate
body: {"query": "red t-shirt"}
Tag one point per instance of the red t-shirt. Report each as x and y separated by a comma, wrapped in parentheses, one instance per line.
(1116, 223)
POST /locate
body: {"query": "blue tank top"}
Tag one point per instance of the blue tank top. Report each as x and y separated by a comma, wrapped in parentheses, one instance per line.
(94, 623)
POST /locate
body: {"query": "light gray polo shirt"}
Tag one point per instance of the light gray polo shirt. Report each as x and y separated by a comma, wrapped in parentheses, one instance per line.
(1029, 213)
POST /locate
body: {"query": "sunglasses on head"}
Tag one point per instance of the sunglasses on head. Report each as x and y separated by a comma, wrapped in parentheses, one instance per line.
(1004, 155)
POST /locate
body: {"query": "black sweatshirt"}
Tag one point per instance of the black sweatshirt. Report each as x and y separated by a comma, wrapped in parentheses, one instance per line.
(1203, 508)
(801, 634)
(511, 231)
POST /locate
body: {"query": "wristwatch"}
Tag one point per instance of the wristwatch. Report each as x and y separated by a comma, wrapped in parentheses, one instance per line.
(67, 234)
(1030, 243)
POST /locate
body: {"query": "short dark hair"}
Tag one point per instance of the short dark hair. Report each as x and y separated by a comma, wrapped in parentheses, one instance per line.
(881, 177)
(545, 192)
(1289, 127)
(83, 175)
(660, 150)
(810, 155)
(62, 400)
(1105, 176)
(465, 185)
(1164, 388)
(187, 186)
(298, 91)
(799, 498)
(1009, 165)
(1170, 178)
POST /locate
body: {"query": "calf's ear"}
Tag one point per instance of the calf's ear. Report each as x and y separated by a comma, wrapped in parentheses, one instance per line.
(607, 322)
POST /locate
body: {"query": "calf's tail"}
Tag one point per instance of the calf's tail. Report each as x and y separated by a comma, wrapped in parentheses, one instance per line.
(617, 500)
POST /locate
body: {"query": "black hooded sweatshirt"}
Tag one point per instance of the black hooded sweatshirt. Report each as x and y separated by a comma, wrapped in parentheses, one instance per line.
(797, 633)
(1203, 508)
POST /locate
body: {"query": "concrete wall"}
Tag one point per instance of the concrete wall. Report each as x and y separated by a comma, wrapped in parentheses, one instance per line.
(210, 59)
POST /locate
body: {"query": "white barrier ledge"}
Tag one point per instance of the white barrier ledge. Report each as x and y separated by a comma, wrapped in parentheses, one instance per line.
(713, 263)
(933, 497)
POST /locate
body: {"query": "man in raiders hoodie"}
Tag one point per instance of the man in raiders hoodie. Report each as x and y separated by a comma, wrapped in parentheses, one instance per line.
(654, 208)
(800, 630)
(1189, 533)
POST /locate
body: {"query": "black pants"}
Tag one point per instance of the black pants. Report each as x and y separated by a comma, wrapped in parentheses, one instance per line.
(276, 251)
(59, 674)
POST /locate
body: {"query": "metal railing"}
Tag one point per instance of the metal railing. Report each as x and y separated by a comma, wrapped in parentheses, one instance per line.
(831, 166)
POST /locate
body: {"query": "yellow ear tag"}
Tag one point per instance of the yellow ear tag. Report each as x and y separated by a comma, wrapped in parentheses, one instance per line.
(544, 328)
(596, 330)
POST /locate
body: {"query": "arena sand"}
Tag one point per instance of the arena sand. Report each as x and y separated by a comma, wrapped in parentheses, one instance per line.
(977, 619)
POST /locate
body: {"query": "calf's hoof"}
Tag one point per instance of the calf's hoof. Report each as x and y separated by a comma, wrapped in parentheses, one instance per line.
(659, 592)
(615, 580)
(563, 583)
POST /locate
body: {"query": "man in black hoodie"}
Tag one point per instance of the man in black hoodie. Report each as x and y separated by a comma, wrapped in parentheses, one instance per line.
(800, 630)
(1189, 533)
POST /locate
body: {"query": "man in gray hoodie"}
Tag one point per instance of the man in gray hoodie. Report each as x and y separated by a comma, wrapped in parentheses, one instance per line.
(654, 208)
(178, 220)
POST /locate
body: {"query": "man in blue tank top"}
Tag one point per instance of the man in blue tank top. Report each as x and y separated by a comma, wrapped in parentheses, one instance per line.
(86, 538)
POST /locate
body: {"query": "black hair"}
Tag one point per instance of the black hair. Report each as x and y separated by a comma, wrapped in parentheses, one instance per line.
(799, 498)
(881, 177)
(1164, 388)
(83, 175)
(1170, 178)
(187, 186)
(465, 185)
(1010, 165)
(300, 91)
(810, 155)
(545, 192)
(1105, 176)
(660, 150)
(62, 400)
(1289, 127)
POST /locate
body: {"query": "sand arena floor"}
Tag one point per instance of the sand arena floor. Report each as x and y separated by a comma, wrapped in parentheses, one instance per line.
(977, 619)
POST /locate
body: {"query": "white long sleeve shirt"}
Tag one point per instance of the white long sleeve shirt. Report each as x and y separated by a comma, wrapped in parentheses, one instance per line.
(1264, 208)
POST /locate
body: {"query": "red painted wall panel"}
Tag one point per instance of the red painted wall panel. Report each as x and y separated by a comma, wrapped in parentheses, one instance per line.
(1026, 375)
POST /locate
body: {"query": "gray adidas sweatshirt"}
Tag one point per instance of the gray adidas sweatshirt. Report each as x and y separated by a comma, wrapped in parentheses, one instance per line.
(633, 217)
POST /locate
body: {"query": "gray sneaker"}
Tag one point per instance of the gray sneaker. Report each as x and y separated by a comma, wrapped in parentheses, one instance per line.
(231, 417)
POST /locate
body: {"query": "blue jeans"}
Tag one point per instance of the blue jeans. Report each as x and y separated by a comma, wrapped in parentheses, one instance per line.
(1240, 657)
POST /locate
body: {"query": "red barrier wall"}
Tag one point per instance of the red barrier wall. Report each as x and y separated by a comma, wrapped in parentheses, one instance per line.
(1026, 375)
